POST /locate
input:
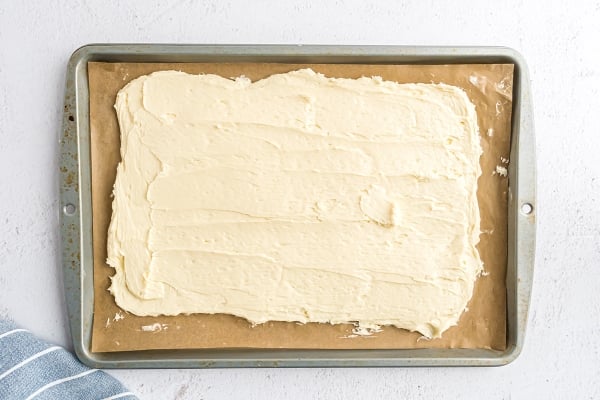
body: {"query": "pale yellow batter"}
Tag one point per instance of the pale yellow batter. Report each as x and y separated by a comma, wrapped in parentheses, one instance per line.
(296, 198)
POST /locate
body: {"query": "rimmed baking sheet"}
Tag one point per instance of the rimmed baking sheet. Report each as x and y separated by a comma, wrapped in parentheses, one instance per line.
(321, 55)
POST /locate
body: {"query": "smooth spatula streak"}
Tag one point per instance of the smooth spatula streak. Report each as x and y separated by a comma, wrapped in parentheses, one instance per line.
(296, 198)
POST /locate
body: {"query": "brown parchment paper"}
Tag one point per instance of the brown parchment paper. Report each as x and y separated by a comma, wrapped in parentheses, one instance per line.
(483, 325)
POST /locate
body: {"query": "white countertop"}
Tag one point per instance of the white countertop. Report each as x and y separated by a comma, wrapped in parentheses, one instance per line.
(561, 357)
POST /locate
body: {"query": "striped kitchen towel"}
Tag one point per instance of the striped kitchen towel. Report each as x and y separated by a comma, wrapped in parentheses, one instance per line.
(33, 369)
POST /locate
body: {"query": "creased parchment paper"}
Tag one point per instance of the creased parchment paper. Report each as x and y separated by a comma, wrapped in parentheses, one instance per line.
(483, 325)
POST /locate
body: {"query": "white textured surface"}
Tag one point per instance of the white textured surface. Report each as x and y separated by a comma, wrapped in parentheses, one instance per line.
(559, 40)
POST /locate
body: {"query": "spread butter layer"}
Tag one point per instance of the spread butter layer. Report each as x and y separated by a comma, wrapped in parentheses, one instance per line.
(296, 198)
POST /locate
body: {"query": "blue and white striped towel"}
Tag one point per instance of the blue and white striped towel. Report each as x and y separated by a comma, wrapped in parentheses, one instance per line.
(33, 369)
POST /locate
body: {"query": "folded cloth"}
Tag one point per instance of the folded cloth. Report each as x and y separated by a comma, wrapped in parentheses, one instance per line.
(33, 369)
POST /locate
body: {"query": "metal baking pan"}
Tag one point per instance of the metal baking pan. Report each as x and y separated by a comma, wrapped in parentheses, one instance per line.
(76, 206)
